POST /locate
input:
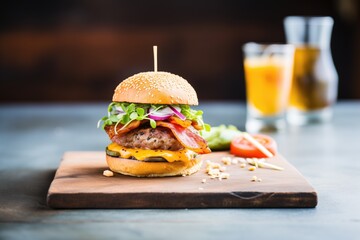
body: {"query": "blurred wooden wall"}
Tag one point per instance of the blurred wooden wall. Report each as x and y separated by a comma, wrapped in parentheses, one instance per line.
(80, 50)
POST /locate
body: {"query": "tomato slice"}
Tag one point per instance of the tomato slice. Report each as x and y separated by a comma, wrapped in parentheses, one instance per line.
(243, 148)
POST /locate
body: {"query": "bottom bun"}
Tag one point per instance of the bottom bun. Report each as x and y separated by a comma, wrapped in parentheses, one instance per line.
(152, 169)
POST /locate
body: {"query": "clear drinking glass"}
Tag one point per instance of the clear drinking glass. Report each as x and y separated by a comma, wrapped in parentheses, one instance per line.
(268, 73)
(315, 80)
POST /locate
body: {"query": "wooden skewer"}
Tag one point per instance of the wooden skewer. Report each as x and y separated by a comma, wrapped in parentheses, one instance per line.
(263, 164)
(272, 166)
(155, 58)
(257, 145)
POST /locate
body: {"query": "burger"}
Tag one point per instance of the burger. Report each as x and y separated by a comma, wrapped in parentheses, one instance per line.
(154, 132)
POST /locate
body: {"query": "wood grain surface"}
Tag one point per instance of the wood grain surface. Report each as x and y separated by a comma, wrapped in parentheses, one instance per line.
(79, 183)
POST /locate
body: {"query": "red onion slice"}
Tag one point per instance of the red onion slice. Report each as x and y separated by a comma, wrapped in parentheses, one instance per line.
(178, 113)
(159, 118)
(119, 112)
(161, 114)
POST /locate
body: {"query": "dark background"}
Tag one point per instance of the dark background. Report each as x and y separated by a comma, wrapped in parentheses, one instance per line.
(80, 50)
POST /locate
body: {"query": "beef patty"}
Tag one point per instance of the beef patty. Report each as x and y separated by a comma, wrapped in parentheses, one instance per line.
(148, 138)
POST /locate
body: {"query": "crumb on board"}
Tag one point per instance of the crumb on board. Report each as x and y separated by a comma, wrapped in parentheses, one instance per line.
(108, 173)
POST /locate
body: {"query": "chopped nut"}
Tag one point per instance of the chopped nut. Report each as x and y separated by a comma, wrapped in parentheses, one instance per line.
(224, 176)
(254, 178)
(226, 160)
(204, 180)
(222, 169)
(252, 168)
(215, 170)
(235, 161)
(241, 160)
(216, 165)
(255, 160)
(259, 180)
(211, 165)
(243, 165)
(108, 173)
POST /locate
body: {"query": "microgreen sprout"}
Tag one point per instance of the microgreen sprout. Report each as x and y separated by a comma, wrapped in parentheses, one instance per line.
(125, 113)
(196, 115)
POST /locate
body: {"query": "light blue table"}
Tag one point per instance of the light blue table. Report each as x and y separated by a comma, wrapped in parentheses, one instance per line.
(34, 137)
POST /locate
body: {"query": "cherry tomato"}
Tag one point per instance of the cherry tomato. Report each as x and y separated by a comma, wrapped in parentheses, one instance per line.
(243, 148)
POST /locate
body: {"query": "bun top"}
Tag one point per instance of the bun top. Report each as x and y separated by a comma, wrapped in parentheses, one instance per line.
(155, 88)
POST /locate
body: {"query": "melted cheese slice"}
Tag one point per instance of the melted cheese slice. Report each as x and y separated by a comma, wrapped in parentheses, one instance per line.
(184, 155)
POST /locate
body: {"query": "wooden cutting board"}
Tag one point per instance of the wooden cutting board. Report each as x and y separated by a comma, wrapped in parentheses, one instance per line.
(79, 183)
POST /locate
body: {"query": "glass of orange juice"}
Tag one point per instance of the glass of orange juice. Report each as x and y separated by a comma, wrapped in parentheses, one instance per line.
(268, 74)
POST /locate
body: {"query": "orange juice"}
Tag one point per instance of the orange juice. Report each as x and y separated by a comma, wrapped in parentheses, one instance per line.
(268, 81)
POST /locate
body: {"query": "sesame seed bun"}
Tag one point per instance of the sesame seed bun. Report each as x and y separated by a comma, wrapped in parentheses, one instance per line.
(155, 88)
(153, 169)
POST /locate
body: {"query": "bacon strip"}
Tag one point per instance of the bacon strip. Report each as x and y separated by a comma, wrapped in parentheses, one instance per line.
(186, 137)
(110, 129)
